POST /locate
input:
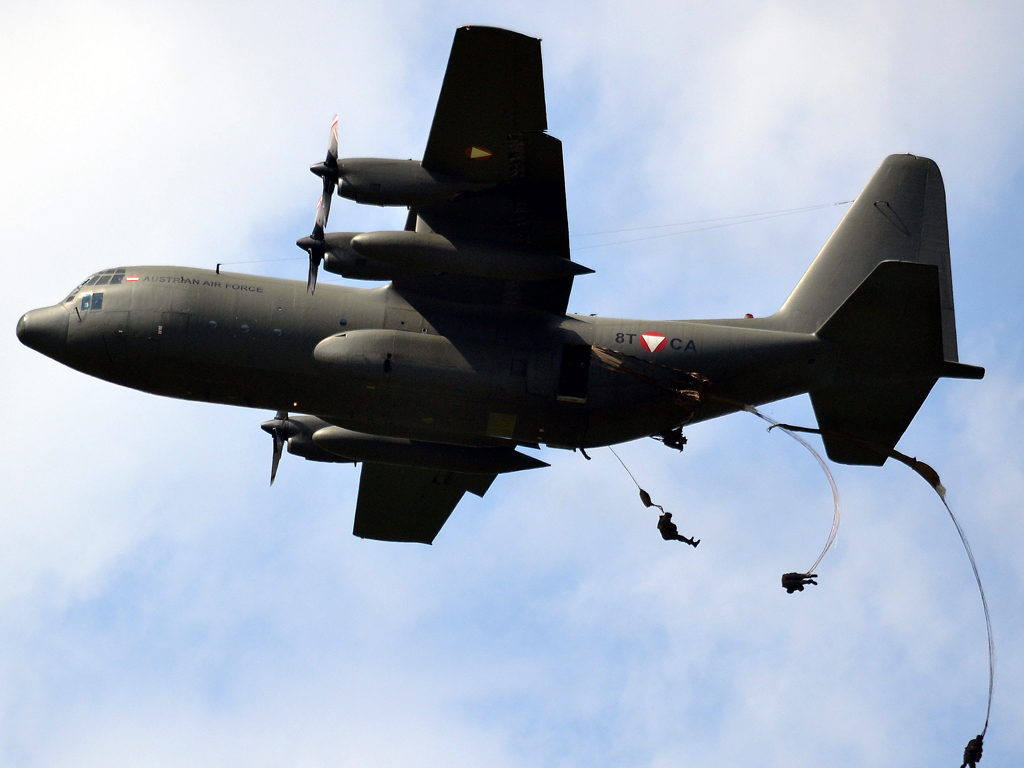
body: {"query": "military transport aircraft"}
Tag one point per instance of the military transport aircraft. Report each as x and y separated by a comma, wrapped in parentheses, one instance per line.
(434, 380)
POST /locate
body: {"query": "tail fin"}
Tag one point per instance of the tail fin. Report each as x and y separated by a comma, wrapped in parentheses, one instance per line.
(900, 216)
(882, 292)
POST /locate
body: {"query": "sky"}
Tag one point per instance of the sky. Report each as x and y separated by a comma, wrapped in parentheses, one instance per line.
(160, 605)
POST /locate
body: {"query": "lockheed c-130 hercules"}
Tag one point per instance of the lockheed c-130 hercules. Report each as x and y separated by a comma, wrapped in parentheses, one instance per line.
(434, 380)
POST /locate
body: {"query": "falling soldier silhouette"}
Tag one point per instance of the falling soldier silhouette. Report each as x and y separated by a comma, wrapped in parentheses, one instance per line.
(795, 582)
(972, 754)
(669, 531)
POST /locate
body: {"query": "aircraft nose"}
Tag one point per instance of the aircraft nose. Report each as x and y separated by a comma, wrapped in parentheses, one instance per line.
(45, 330)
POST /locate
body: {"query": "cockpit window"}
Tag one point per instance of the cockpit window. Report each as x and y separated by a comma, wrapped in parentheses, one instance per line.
(111, 276)
(75, 292)
(92, 301)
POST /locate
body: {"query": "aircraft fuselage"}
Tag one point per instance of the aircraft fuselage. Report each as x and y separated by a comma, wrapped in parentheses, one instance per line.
(372, 361)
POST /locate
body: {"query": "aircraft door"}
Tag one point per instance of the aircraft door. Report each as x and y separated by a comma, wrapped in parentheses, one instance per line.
(540, 371)
(574, 372)
(159, 334)
(115, 336)
(172, 333)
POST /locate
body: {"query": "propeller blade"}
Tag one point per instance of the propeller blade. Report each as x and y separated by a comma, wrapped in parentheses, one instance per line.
(314, 246)
(278, 429)
(314, 266)
(328, 171)
(332, 145)
(278, 450)
(323, 209)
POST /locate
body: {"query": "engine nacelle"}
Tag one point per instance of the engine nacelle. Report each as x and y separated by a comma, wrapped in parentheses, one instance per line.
(391, 254)
(299, 431)
(433, 253)
(378, 181)
(342, 259)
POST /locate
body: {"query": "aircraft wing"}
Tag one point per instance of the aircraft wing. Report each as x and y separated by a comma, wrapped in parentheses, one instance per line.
(489, 127)
(398, 503)
(493, 89)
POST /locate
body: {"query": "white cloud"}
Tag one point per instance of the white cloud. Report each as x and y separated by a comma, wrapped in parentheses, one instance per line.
(159, 605)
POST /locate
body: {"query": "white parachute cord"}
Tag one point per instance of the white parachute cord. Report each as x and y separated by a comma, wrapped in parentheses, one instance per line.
(984, 604)
(837, 512)
(932, 478)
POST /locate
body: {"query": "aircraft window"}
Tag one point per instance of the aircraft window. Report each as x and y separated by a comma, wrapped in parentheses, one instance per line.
(97, 301)
(103, 280)
(88, 281)
(117, 279)
(86, 301)
(75, 292)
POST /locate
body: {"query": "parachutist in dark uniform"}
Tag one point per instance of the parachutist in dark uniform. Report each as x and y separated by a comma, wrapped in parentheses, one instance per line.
(972, 752)
(669, 531)
(795, 582)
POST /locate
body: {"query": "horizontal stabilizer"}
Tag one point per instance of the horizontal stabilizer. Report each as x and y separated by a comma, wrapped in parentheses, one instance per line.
(877, 412)
(892, 323)
(888, 338)
(950, 370)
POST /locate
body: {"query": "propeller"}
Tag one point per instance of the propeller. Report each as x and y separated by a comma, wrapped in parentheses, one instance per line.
(279, 428)
(328, 171)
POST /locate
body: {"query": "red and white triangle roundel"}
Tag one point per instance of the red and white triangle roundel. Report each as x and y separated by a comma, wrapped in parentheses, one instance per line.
(652, 341)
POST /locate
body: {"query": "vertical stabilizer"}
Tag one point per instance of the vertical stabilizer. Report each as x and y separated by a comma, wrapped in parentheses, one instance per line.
(881, 293)
(899, 216)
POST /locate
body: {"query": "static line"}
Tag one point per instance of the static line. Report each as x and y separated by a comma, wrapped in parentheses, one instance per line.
(932, 478)
(625, 468)
(837, 512)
